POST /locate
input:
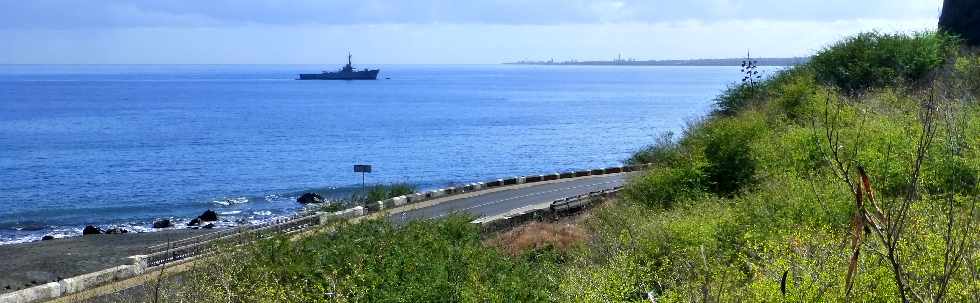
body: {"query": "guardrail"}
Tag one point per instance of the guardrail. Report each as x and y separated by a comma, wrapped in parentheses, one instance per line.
(554, 209)
(186, 249)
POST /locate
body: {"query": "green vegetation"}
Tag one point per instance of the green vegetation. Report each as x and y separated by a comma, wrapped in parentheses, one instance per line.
(381, 192)
(372, 261)
(851, 178)
(876, 60)
(771, 204)
(374, 193)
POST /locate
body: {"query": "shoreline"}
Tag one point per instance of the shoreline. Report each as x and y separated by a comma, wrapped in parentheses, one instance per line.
(68, 257)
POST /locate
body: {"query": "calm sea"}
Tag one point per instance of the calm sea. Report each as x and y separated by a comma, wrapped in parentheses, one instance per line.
(127, 144)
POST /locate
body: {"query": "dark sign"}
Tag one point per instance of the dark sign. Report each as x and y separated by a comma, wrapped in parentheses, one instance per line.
(361, 168)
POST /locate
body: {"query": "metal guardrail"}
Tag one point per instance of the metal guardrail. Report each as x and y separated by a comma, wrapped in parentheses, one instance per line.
(220, 233)
(238, 236)
(554, 209)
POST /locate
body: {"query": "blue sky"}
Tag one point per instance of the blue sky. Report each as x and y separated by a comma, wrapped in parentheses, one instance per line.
(435, 31)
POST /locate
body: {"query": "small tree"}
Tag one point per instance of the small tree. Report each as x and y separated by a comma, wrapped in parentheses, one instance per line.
(750, 76)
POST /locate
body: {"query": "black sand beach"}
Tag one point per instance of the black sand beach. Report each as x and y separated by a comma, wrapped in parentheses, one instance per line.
(27, 264)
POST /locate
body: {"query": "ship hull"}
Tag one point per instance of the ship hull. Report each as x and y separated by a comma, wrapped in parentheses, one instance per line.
(358, 75)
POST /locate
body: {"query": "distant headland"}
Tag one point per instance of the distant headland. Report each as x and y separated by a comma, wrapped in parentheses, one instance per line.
(688, 62)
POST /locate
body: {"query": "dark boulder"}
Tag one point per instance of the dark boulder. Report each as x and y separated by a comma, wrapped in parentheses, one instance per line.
(163, 224)
(308, 198)
(209, 226)
(194, 222)
(116, 231)
(91, 230)
(962, 18)
(208, 216)
(46, 238)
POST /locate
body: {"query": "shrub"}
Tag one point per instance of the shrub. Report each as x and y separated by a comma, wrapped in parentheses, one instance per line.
(727, 150)
(664, 151)
(736, 97)
(383, 191)
(967, 74)
(663, 187)
(875, 60)
(951, 175)
(792, 92)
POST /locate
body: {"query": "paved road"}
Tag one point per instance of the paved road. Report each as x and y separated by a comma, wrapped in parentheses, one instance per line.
(501, 201)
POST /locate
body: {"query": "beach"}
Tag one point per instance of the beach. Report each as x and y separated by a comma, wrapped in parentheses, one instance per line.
(29, 264)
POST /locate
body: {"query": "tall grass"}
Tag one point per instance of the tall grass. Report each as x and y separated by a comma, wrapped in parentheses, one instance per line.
(372, 261)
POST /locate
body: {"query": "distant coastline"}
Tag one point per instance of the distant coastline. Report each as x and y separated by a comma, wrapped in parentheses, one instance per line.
(688, 62)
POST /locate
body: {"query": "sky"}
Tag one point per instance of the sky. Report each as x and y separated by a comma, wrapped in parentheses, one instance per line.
(435, 31)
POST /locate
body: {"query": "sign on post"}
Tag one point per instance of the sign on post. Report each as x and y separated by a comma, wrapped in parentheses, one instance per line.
(363, 169)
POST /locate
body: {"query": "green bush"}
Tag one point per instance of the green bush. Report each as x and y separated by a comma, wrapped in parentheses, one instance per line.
(738, 96)
(727, 151)
(875, 60)
(952, 175)
(664, 151)
(792, 92)
(663, 187)
(380, 192)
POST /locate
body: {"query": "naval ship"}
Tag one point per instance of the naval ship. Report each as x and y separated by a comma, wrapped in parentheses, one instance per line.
(346, 73)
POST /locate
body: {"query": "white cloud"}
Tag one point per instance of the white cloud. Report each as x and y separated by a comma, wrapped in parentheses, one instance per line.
(436, 43)
(195, 13)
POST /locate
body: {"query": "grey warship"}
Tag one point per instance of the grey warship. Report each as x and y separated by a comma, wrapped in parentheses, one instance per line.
(346, 73)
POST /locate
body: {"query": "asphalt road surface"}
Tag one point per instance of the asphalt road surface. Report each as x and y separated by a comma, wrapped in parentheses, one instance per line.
(498, 202)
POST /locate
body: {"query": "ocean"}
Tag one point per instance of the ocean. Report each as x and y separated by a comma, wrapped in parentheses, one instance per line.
(123, 145)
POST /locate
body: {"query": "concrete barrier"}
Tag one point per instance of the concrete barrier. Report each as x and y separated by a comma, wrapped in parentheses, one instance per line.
(435, 194)
(71, 285)
(509, 181)
(86, 281)
(533, 179)
(34, 294)
(415, 198)
(613, 170)
(375, 206)
(350, 213)
(550, 177)
(596, 172)
(566, 175)
(450, 191)
(583, 173)
(399, 201)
